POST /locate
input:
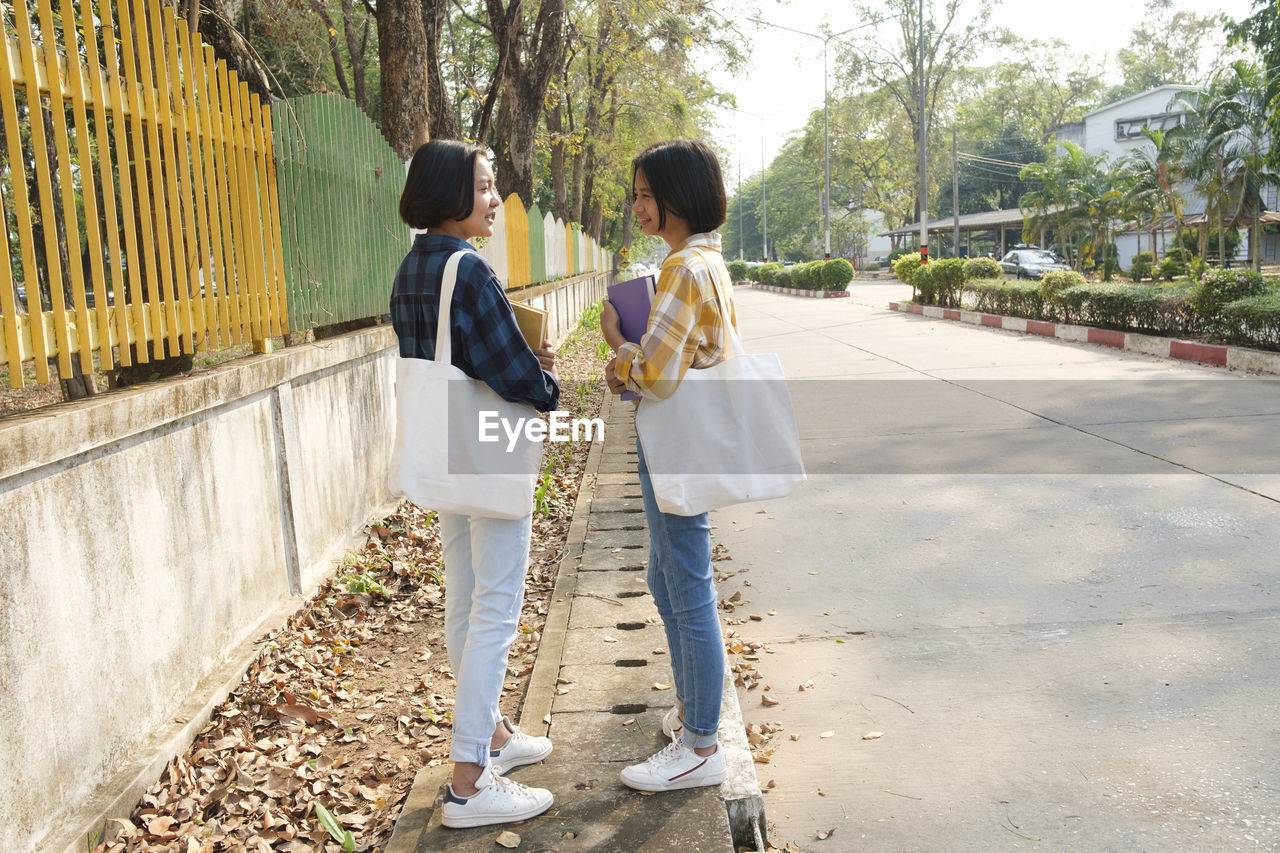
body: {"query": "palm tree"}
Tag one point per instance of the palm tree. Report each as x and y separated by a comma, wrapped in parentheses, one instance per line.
(1059, 196)
(1151, 179)
(1239, 122)
(1226, 140)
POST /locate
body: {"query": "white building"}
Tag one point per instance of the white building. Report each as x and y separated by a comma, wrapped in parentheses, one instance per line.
(1116, 129)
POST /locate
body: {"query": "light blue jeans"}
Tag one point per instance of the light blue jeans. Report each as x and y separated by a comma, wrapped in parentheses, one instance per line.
(484, 561)
(683, 586)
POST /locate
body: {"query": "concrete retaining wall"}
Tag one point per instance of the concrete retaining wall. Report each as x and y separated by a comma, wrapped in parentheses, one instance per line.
(151, 535)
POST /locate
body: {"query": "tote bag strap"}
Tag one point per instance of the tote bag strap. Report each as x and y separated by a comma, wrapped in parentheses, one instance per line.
(731, 331)
(444, 347)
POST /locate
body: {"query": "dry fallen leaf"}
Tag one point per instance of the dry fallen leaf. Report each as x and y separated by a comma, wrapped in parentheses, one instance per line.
(824, 834)
(767, 700)
(660, 686)
(873, 735)
(828, 734)
(508, 839)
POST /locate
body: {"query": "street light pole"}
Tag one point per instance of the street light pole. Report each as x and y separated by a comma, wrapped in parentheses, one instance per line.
(826, 118)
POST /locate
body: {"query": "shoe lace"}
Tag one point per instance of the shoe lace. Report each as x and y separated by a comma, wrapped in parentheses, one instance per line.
(670, 754)
(509, 787)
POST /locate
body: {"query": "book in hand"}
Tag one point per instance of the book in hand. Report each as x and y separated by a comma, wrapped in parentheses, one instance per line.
(532, 322)
(632, 300)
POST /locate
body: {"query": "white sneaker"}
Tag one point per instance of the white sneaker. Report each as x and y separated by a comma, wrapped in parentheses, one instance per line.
(674, 768)
(499, 800)
(519, 750)
(672, 725)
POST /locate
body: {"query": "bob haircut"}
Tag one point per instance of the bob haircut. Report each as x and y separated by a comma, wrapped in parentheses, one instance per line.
(440, 183)
(685, 178)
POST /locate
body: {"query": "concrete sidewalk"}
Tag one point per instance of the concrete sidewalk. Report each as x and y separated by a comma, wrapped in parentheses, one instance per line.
(593, 693)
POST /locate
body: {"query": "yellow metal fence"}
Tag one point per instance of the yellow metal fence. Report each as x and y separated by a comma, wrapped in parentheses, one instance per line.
(137, 188)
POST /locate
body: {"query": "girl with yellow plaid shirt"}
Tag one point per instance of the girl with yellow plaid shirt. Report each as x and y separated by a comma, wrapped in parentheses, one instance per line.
(678, 195)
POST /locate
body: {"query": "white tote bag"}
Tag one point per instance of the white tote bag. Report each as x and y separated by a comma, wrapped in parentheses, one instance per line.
(451, 452)
(726, 435)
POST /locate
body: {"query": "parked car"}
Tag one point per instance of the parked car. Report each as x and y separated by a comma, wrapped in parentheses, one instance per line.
(1030, 263)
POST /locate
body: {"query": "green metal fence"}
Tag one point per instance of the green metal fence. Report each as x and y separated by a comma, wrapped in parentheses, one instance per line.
(339, 185)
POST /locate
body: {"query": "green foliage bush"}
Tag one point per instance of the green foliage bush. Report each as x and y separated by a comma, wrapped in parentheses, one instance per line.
(922, 281)
(836, 274)
(945, 279)
(1056, 282)
(807, 276)
(1153, 309)
(753, 273)
(1009, 298)
(905, 266)
(904, 250)
(1190, 241)
(982, 268)
(1254, 320)
(1170, 268)
(1141, 266)
(769, 273)
(783, 277)
(738, 270)
(1217, 287)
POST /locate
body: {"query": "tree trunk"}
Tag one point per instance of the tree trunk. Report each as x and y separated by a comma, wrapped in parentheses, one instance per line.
(441, 123)
(555, 129)
(403, 87)
(335, 50)
(233, 47)
(523, 87)
(356, 43)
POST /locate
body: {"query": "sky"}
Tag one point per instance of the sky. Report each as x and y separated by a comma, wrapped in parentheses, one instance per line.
(783, 84)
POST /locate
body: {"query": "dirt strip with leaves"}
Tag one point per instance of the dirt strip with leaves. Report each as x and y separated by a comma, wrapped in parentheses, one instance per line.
(317, 747)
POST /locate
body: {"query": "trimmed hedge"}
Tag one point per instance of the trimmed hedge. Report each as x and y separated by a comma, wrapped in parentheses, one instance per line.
(834, 274)
(982, 268)
(738, 270)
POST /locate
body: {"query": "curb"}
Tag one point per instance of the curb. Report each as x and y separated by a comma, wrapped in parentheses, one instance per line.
(795, 291)
(1214, 355)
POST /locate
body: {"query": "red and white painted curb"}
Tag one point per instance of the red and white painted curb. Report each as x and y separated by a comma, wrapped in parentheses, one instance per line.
(795, 291)
(1233, 358)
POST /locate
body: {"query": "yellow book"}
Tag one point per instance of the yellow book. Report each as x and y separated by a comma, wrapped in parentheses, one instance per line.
(532, 322)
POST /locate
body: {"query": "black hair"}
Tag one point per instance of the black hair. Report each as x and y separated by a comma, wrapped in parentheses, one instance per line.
(684, 176)
(441, 183)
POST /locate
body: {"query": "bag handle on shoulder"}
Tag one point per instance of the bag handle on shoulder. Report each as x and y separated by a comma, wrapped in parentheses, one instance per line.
(444, 348)
(725, 311)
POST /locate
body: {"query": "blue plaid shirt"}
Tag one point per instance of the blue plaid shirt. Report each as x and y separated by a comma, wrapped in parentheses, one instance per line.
(487, 343)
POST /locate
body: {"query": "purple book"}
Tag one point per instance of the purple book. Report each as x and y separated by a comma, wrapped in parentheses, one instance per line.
(632, 300)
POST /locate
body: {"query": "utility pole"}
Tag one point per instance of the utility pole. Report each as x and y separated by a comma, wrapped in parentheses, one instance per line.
(924, 175)
(955, 198)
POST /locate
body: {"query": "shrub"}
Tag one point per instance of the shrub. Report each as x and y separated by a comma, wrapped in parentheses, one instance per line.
(783, 277)
(1218, 287)
(1190, 241)
(922, 281)
(769, 273)
(1010, 298)
(737, 270)
(810, 276)
(1254, 320)
(836, 274)
(1181, 255)
(905, 250)
(905, 267)
(982, 268)
(1170, 268)
(1056, 283)
(948, 278)
(753, 273)
(1142, 263)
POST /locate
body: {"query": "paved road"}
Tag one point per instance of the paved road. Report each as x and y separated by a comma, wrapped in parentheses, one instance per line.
(1045, 573)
